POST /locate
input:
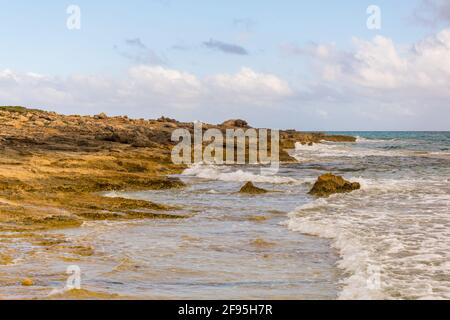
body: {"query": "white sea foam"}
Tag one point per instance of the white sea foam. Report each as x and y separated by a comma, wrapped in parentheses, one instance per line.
(211, 172)
(365, 140)
(392, 148)
(333, 150)
(394, 242)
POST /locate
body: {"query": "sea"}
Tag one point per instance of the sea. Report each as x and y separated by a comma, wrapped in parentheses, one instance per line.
(388, 240)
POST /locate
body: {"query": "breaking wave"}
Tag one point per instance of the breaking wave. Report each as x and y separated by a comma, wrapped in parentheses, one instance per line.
(392, 237)
(333, 150)
(211, 172)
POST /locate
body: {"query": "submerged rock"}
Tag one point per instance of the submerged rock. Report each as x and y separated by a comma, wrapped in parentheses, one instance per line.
(27, 282)
(5, 259)
(249, 188)
(329, 184)
(261, 243)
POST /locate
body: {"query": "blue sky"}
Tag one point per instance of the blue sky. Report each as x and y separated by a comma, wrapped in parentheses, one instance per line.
(212, 60)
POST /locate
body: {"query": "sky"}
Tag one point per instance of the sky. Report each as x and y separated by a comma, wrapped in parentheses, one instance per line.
(306, 65)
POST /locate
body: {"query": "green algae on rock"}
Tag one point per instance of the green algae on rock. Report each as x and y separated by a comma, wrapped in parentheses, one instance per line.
(329, 184)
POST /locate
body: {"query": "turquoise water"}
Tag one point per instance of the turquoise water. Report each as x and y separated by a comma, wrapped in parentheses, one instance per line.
(413, 140)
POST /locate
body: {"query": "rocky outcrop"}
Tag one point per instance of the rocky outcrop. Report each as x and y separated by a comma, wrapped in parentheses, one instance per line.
(101, 116)
(235, 123)
(48, 160)
(289, 138)
(329, 184)
(249, 188)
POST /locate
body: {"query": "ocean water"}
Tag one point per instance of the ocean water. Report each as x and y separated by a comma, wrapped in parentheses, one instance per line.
(393, 236)
(389, 240)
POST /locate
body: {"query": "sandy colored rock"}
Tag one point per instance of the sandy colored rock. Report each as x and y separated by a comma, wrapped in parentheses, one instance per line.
(329, 184)
(5, 259)
(101, 116)
(261, 243)
(54, 167)
(27, 282)
(249, 188)
(235, 123)
(258, 218)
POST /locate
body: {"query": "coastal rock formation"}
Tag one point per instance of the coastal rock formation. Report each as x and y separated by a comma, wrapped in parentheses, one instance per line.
(235, 123)
(53, 166)
(289, 138)
(329, 184)
(249, 188)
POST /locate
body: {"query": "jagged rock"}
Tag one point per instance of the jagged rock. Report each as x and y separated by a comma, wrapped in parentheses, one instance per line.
(101, 116)
(329, 184)
(235, 123)
(46, 117)
(335, 138)
(58, 123)
(22, 118)
(249, 188)
(165, 119)
(140, 141)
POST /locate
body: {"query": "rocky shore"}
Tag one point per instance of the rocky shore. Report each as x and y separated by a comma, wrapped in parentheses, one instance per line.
(53, 167)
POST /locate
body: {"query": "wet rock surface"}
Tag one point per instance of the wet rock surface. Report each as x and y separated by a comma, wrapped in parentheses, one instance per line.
(329, 184)
(250, 188)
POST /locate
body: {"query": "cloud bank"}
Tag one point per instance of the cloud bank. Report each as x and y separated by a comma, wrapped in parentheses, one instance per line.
(380, 79)
(144, 90)
(378, 85)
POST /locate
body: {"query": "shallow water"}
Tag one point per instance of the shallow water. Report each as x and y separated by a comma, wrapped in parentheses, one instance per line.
(232, 247)
(393, 236)
(388, 240)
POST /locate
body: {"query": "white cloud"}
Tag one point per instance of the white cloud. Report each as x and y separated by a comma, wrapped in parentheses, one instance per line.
(250, 86)
(166, 87)
(378, 84)
(147, 88)
(381, 64)
(380, 80)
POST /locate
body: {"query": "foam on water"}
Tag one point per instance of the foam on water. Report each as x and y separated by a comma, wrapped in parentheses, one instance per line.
(331, 150)
(392, 237)
(222, 173)
(365, 148)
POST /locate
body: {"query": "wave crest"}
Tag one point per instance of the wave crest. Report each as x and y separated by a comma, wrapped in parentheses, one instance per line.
(211, 172)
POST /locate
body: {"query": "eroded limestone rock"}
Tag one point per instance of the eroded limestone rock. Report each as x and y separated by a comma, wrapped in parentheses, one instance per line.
(329, 184)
